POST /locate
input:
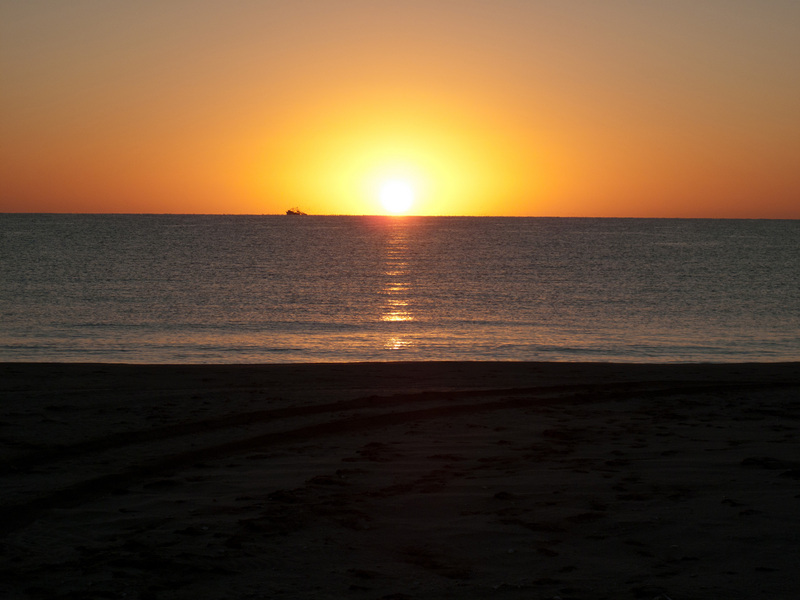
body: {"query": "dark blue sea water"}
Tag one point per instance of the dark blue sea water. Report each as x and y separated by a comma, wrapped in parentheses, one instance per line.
(226, 289)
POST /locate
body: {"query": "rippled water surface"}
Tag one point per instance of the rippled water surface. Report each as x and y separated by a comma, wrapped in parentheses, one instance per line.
(180, 289)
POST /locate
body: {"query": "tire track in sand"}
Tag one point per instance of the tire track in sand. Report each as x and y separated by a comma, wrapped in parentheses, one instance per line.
(446, 404)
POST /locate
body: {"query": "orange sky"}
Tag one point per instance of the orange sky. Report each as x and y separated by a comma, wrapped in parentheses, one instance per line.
(568, 108)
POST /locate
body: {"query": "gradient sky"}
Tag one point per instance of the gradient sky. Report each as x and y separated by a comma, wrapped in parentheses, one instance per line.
(672, 108)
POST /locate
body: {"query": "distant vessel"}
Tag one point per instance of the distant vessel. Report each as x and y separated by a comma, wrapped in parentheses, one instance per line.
(295, 211)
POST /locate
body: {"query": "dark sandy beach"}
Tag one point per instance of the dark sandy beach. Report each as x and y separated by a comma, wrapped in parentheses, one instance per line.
(400, 481)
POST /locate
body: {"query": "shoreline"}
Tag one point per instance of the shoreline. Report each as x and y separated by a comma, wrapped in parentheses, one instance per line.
(400, 480)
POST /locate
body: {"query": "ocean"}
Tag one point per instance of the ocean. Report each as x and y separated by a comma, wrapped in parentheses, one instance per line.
(276, 289)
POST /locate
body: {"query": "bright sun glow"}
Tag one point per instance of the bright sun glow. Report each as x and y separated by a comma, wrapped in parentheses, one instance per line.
(396, 195)
(394, 161)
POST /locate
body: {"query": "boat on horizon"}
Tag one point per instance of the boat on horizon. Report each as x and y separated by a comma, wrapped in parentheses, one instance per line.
(295, 211)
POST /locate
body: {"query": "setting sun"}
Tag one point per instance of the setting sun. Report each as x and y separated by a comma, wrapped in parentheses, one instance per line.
(396, 195)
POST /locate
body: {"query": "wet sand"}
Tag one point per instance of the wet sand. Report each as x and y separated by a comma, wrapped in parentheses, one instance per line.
(400, 481)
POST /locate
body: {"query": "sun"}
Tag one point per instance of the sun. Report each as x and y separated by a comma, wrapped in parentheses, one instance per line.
(396, 195)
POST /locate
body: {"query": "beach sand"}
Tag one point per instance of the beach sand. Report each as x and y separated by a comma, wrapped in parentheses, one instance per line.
(400, 481)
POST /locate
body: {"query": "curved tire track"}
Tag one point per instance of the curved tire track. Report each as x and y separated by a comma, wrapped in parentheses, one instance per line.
(448, 404)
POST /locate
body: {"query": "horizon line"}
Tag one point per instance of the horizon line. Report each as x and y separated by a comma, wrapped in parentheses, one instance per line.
(410, 216)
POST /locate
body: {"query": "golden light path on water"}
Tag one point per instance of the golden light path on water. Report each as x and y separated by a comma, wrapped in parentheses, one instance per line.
(396, 287)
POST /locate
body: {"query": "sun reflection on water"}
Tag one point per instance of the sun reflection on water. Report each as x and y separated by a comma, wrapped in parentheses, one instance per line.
(397, 310)
(396, 288)
(397, 343)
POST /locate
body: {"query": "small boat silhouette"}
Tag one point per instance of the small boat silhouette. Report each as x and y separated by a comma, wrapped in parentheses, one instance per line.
(295, 211)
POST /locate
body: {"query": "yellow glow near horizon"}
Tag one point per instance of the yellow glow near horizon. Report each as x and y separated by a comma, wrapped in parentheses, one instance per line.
(338, 160)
